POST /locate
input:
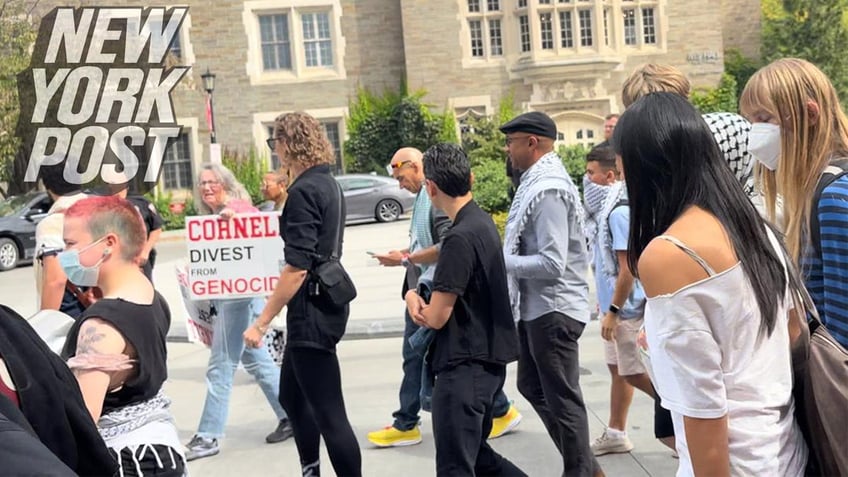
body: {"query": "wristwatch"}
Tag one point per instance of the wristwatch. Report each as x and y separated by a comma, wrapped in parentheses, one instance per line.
(614, 309)
(405, 260)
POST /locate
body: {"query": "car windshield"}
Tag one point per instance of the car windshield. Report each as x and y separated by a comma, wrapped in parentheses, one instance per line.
(13, 205)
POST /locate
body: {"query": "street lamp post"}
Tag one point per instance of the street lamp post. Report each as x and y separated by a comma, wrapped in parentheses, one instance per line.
(209, 85)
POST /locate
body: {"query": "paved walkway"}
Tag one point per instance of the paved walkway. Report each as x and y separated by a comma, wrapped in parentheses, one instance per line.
(371, 372)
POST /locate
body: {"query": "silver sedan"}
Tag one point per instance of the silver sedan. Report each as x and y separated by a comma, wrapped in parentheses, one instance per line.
(373, 197)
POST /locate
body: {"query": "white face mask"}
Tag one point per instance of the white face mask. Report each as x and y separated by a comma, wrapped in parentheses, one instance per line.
(764, 144)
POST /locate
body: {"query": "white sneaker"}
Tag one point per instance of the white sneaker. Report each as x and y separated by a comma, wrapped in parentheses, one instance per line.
(607, 444)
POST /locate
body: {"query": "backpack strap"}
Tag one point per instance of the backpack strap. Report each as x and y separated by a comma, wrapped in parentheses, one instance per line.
(622, 202)
(836, 169)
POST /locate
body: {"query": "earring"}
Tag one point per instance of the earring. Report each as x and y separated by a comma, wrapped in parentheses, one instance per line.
(107, 251)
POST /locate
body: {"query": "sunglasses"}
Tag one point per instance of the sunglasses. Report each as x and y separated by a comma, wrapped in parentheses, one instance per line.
(272, 142)
(398, 165)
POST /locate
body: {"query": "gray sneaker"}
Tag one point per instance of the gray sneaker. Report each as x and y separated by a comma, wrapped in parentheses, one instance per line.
(200, 447)
(607, 444)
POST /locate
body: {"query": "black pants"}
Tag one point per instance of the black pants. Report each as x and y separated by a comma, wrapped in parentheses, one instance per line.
(312, 396)
(549, 378)
(463, 398)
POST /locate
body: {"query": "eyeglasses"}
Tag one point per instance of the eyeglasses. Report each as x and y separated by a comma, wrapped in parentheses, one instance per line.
(209, 183)
(272, 142)
(509, 139)
(398, 165)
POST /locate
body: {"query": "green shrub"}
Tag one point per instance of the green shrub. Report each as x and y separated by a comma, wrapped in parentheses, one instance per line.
(491, 186)
(248, 169)
(574, 159)
(722, 99)
(170, 219)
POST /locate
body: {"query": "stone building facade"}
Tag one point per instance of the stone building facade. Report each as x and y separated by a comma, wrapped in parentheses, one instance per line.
(567, 58)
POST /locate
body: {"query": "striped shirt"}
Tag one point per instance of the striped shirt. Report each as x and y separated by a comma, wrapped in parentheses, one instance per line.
(827, 277)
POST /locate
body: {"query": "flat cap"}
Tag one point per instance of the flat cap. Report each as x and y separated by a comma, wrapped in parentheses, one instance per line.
(534, 122)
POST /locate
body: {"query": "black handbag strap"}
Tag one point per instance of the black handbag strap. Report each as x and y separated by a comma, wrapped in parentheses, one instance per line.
(338, 245)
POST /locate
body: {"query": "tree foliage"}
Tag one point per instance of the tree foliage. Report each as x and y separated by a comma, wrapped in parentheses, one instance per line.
(815, 30)
(248, 169)
(723, 98)
(17, 34)
(379, 125)
(740, 68)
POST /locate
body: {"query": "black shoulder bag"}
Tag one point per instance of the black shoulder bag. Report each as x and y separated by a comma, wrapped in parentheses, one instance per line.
(334, 284)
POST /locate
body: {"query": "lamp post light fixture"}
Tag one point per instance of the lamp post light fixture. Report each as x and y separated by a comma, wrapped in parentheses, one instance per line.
(209, 85)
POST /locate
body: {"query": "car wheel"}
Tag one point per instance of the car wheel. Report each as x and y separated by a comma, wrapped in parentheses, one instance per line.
(8, 254)
(388, 210)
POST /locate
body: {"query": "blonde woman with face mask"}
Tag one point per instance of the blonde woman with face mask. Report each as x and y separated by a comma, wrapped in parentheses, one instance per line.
(799, 136)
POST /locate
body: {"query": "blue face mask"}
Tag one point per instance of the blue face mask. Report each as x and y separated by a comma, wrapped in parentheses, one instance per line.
(78, 274)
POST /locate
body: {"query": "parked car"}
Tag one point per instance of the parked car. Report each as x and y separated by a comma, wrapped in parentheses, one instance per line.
(374, 197)
(18, 217)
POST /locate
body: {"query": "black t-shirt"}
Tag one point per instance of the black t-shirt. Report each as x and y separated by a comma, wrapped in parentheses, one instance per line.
(309, 226)
(145, 327)
(471, 266)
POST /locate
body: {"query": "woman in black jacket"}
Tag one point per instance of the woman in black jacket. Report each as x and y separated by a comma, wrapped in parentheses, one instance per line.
(312, 227)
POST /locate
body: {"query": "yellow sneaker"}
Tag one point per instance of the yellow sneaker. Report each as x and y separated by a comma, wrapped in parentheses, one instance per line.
(393, 437)
(506, 423)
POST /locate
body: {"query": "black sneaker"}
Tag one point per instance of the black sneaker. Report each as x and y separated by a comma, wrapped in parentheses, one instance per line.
(281, 433)
(200, 447)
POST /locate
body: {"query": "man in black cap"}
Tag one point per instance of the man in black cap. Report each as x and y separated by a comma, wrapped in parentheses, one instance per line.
(545, 256)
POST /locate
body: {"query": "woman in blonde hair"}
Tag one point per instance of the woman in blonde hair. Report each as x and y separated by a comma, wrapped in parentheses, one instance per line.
(798, 131)
(312, 227)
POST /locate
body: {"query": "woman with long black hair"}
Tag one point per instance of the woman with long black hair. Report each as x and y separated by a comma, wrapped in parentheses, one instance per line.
(719, 297)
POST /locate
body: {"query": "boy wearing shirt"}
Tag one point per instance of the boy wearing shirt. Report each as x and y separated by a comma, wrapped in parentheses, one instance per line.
(470, 310)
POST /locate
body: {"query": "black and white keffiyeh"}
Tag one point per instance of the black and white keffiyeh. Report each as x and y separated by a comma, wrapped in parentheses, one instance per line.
(731, 133)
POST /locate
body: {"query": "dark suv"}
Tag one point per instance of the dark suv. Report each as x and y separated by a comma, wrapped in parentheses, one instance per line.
(18, 217)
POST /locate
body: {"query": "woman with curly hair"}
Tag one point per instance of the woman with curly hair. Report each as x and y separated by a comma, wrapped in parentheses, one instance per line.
(312, 227)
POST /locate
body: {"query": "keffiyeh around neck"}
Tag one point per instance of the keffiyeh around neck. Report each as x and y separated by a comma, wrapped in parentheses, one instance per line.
(730, 131)
(617, 193)
(547, 173)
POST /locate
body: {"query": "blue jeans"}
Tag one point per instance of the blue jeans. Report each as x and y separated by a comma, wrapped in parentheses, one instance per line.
(234, 316)
(416, 388)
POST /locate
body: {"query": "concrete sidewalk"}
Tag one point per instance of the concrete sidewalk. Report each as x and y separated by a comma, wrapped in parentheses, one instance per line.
(371, 373)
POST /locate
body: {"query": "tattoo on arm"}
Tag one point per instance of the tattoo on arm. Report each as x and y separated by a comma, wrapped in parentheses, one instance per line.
(89, 338)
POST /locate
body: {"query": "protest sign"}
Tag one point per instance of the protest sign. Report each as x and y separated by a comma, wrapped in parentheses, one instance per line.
(233, 258)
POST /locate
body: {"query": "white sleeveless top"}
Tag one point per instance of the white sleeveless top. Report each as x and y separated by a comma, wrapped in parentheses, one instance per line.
(708, 359)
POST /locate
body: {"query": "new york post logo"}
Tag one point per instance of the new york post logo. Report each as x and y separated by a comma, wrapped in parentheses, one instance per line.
(97, 95)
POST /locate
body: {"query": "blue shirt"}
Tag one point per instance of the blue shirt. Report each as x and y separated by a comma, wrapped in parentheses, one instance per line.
(619, 227)
(827, 278)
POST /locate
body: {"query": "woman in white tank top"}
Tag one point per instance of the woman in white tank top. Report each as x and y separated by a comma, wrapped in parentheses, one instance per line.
(719, 297)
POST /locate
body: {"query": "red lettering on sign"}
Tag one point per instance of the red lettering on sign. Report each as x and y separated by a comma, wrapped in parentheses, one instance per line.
(215, 228)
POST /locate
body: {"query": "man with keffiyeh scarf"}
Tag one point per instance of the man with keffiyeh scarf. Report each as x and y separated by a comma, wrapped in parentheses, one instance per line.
(545, 256)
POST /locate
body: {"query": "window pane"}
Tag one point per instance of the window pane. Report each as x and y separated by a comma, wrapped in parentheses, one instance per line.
(274, 36)
(176, 165)
(323, 26)
(585, 17)
(579, 134)
(333, 135)
(606, 27)
(544, 2)
(311, 53)
(493, 5)
(524, 28)
(547, 31)
(495, 39)
(176, 46)
(326, 53)
(590, 133)
(317, 39)
(629, 26)
(566, 31)
(473, 5)
(649, 30)
(476, 31)
(522, 3)
(308, 26)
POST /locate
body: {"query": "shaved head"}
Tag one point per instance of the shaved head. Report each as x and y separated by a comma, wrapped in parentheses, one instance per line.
(407, 154)
(407, 167)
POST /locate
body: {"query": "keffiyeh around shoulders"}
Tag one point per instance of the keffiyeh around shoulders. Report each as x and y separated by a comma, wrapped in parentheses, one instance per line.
(546, 174)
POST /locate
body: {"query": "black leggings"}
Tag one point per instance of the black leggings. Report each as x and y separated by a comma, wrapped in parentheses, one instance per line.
(311, 393)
